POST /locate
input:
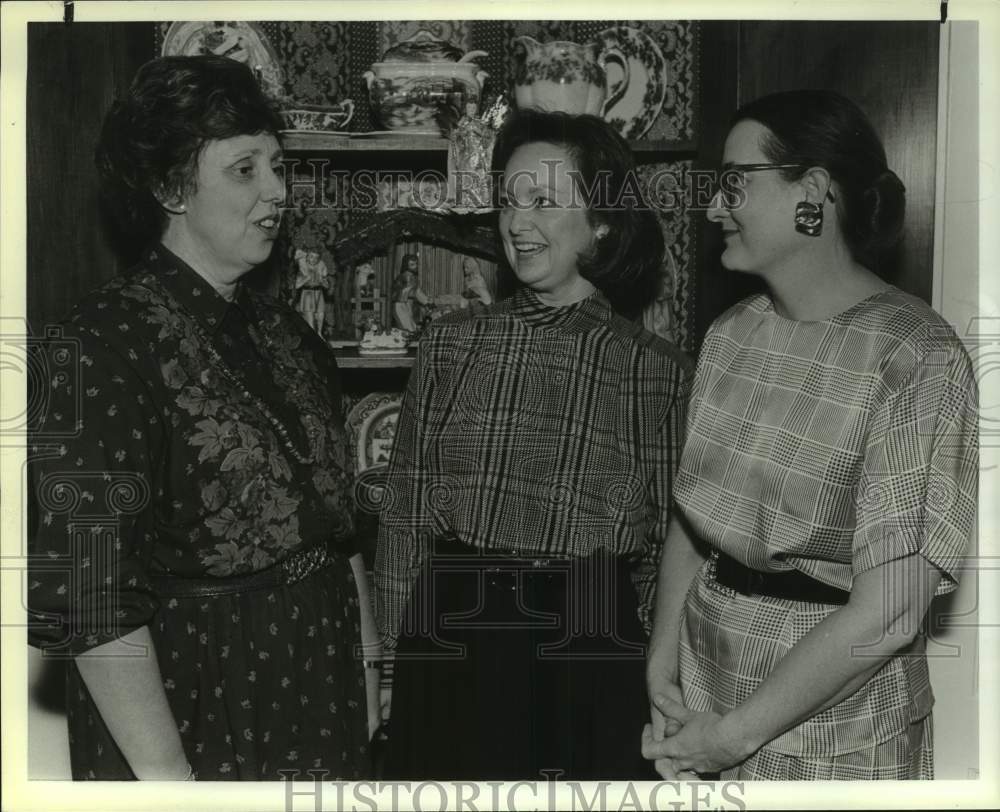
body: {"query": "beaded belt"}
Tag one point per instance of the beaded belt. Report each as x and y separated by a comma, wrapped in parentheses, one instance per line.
(289, 570)
(520, 560)
(491, 559)
(508, 569)
(514, 569)
(793, 585)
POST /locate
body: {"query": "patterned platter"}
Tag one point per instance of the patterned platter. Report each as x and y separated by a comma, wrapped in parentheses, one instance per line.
(637, 108)
(237, 40)
(371, 427)
(319, 118)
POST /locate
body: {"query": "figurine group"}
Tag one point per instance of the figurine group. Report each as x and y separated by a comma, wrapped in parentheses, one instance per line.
(411, 307)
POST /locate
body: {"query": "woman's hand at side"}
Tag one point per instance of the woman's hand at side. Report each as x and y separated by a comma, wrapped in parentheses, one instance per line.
(371, 645)
(679, 563)
(701, 741)
(828, 664)
(123, 678)
(658, 728)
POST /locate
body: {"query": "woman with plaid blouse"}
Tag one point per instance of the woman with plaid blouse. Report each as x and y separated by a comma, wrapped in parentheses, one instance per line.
(829, 474)
(529, 490)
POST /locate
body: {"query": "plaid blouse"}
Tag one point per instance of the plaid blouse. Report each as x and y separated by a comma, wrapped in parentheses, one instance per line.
(828, 447)
(546, 431)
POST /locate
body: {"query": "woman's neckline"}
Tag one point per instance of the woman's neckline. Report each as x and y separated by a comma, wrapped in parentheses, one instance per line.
(537, 301)
(833, 316)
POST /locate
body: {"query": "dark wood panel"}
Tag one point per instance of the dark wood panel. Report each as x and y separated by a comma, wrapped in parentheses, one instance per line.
(716, 288)
(74, 72)
(891, 71)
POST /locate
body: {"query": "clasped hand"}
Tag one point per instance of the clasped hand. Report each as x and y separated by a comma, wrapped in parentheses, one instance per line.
(680, 740)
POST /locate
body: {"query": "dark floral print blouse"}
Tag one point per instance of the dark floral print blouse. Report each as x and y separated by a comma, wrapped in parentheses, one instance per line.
(184, 435)
(217, 418)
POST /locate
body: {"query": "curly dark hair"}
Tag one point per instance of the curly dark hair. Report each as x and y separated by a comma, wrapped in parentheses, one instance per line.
(151, 140)
(823, 128)
(627, 262)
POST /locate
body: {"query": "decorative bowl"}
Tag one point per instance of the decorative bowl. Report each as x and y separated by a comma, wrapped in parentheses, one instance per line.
(424, 83)
(319, 118)
(420, 95)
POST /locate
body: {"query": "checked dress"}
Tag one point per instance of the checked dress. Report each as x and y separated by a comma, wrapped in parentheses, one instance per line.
(827, 447)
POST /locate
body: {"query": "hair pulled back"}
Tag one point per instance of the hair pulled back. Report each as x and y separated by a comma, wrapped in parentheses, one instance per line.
(822, 128)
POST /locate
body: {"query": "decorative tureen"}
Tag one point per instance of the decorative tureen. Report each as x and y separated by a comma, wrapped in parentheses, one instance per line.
(424, 85)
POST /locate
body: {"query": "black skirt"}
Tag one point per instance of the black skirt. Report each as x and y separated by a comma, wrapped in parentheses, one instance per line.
(519, 668)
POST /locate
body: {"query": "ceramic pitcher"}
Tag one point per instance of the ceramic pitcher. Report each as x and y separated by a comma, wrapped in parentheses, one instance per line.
(559, 75)
(620, 76)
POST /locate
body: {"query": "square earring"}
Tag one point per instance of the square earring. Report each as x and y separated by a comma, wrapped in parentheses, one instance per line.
(809, 218)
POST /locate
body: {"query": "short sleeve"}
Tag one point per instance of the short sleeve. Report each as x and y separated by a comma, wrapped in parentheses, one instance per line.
(91, 484)
(917, 493)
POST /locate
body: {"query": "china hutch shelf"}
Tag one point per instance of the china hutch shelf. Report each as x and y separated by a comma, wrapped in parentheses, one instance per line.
(305, 141)
(350, 358)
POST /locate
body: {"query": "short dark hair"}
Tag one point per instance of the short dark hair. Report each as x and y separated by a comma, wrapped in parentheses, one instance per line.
(823, 128)
(627, 261)
(151, 139)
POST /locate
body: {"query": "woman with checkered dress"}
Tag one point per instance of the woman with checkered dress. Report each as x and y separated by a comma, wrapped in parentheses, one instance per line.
(827, 488)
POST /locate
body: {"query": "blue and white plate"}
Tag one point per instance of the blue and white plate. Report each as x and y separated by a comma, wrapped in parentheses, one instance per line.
(238, 40)
(633, 107)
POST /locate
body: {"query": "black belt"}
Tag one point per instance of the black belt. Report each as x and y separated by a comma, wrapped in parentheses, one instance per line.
(289, 570)
(792, 585)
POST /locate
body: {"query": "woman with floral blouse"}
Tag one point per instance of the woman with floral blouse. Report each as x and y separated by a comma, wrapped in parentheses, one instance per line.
(194, 537)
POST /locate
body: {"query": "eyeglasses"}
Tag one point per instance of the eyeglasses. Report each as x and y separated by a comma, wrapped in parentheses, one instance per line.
(732, 182)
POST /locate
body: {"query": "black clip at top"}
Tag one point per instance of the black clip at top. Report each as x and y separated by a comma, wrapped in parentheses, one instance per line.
(944, 11)
(67, 11)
